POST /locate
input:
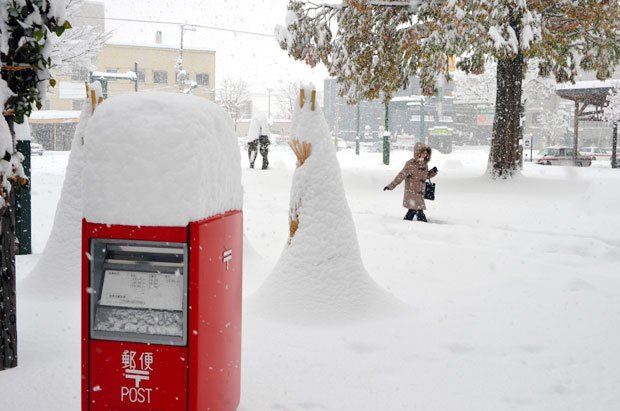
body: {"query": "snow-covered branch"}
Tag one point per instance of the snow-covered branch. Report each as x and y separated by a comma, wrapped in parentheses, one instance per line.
(79, 46)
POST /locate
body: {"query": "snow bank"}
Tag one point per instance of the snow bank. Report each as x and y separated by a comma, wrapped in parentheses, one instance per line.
(320, 276)
(160, 159)
(602, 197)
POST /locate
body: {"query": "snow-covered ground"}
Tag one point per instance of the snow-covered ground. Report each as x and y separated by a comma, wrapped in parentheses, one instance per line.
(514, 288)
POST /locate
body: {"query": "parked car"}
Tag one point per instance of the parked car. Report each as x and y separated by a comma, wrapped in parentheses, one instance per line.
(36, 149)
(595, 153)
(562, 156)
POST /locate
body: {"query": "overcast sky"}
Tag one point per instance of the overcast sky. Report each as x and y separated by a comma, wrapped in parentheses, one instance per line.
(257, 59)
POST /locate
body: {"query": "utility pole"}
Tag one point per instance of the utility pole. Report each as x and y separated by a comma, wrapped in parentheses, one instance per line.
(422, 121)
(269, 103)
(182, 80)
(357, 134)
(135, 69)
(183, 28)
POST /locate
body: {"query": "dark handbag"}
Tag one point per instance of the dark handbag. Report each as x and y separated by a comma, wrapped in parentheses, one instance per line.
(429, 190)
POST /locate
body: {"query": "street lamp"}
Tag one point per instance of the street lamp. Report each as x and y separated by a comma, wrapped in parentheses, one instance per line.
(386, 135)
(422, 101)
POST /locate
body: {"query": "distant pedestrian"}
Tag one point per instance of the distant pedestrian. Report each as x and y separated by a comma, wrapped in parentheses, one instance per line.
(258, 140)
(415, 174)
(252, 151)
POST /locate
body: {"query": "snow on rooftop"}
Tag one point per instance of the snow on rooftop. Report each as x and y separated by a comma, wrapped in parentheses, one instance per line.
(129, 75)
(160, 159)
(412, 98)
(54, 114)
(158, 46)
(589, 84)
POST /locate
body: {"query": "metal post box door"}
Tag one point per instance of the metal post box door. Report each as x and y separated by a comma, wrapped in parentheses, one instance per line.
(138, 325)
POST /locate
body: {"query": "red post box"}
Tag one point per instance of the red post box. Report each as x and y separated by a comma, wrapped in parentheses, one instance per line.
(161, 323)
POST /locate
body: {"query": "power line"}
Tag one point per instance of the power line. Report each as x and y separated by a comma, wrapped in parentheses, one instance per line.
(251, 33)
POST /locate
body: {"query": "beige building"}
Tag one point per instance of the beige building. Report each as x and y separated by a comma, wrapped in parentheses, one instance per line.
(55, 124)
(156, 71)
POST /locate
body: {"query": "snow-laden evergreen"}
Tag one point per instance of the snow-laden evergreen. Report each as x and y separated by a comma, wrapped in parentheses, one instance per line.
(611, 113)
(374, 48)
(27, 28)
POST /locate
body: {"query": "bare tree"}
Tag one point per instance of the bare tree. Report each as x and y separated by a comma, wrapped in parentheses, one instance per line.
(234, 97)
(287, 95)
(77, 47)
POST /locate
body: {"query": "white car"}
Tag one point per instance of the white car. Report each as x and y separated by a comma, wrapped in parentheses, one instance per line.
(36, 149)
(595, 153)
(341, 144)
(562, 156)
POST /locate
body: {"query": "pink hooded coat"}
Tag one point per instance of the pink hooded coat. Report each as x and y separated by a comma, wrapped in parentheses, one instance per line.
(415, 172)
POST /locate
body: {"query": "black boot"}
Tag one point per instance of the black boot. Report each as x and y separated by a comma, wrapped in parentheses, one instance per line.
(421, 216)
(410, 214)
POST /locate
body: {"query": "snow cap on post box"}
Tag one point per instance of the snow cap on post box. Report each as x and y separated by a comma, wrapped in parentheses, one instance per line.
(160, 159)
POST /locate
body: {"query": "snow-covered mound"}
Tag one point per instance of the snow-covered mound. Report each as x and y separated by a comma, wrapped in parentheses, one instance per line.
(60, 260)
(320, 276)
(160, 159)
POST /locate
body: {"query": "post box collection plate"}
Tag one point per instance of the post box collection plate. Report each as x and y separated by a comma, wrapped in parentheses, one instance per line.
(138, 291)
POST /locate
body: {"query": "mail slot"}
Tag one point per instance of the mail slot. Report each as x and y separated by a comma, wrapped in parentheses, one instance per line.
(161, 324)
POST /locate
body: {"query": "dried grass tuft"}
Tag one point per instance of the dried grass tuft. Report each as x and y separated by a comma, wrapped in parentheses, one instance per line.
(301, 149)
(292, 227)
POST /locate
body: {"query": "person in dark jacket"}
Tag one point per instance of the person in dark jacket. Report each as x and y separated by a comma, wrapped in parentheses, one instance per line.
(415, 172)
(258, 140)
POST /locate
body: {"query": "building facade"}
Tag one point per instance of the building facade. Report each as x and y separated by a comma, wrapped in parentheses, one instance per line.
(156, 71)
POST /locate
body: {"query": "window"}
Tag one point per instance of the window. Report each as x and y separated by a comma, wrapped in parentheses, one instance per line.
(80, 74)
(202, 79)
(160, 77)
(141, 76)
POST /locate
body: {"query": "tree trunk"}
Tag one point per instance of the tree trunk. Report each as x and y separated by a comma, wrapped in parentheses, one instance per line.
(8, 298)
(505, 158)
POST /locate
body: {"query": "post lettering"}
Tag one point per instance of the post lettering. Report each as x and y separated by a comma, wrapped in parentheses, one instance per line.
(136, 395)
